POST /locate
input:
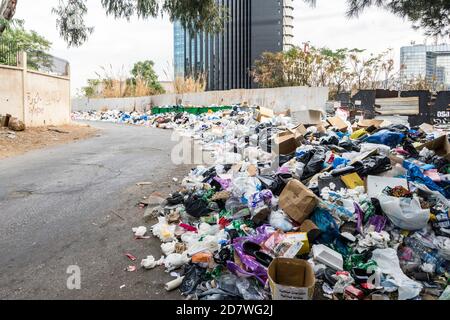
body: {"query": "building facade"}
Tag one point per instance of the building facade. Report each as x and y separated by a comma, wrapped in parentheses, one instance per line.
(226, 59)
(429, 62)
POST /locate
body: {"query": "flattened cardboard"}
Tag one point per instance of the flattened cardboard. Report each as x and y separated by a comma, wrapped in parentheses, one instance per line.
(338, 123)
(427, 128)
(291, 279)
(297, 201)
(307, 117)
(369, 123)
(440, 145)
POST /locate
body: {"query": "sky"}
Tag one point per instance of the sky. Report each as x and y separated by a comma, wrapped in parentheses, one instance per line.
(116, 45)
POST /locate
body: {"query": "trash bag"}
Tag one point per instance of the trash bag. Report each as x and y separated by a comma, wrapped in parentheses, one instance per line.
(349, 146)
(374, 166)
(275, 183)
(265, 139)
(197, 207)
(315, 165)
(284, 158)
(405, 213)
(386, 137)
(175, 199)
(193, 276)
(416, 175)
(326, 224)
(305, 156)
(329, 140)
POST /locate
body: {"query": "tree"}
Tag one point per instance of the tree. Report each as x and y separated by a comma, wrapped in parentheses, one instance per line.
(431, 15)
(143, 71)
(193, 15)
(340, 70)
(18, 39)
(7, 12)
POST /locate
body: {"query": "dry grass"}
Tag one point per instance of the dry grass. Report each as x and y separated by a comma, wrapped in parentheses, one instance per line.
(41, 137)
(190, 84)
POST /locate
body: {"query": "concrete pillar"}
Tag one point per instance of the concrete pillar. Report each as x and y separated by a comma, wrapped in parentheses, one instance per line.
(22, 63)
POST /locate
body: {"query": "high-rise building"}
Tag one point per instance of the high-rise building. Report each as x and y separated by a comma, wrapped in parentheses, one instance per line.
(226, 59)
(429, 62)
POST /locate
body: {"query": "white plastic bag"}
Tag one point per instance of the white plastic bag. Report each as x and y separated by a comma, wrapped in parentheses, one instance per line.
(175, 261)
(280, 221)
(388, 262)
(150, 262)
(164, 231)
(140, 232)
(168, 248)
(405, 213)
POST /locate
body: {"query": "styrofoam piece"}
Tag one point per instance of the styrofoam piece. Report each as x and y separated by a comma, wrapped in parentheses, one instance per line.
(328, 257)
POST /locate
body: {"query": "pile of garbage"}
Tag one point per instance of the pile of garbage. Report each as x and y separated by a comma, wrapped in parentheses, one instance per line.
(169, 120)
(340, 210)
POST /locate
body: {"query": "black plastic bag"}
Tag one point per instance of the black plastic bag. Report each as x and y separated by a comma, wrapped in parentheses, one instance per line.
(175, 199)
(375, 165)
(315, 165)
(197, 207)
(349, 146)
(193, 276)
(329, 140)
(275, 183)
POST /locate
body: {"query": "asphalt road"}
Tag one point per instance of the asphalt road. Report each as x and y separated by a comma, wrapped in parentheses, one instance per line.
(75, 205)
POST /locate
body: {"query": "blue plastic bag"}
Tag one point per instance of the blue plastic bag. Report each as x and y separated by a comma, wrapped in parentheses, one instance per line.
(386, 137)
(416, 175)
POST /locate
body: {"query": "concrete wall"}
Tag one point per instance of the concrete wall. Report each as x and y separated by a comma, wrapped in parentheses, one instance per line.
(36, 98)
(11, 91)
(278, 99)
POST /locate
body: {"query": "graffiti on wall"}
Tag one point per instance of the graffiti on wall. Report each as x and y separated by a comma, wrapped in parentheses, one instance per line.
(36, 103)
(442, 118)
(33, 102)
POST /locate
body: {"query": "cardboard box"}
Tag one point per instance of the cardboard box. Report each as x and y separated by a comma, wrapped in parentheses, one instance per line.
(297, 201)
(299, 131)
(291, 279)
(293, 244)
(338, 123)
(440, 145)
(285, 143)
(263, 114)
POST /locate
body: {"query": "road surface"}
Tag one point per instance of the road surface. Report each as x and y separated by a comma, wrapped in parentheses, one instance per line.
(75, 205)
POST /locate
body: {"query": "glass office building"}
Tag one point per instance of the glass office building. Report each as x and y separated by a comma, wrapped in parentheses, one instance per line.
(226, 59)
(179, 43)
(429, 62)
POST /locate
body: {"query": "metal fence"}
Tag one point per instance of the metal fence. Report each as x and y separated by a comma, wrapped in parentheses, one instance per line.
(36, 60)
(8, 53)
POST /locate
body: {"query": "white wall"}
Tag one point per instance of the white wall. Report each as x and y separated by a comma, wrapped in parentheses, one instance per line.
(35, 98)
(278, 99)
